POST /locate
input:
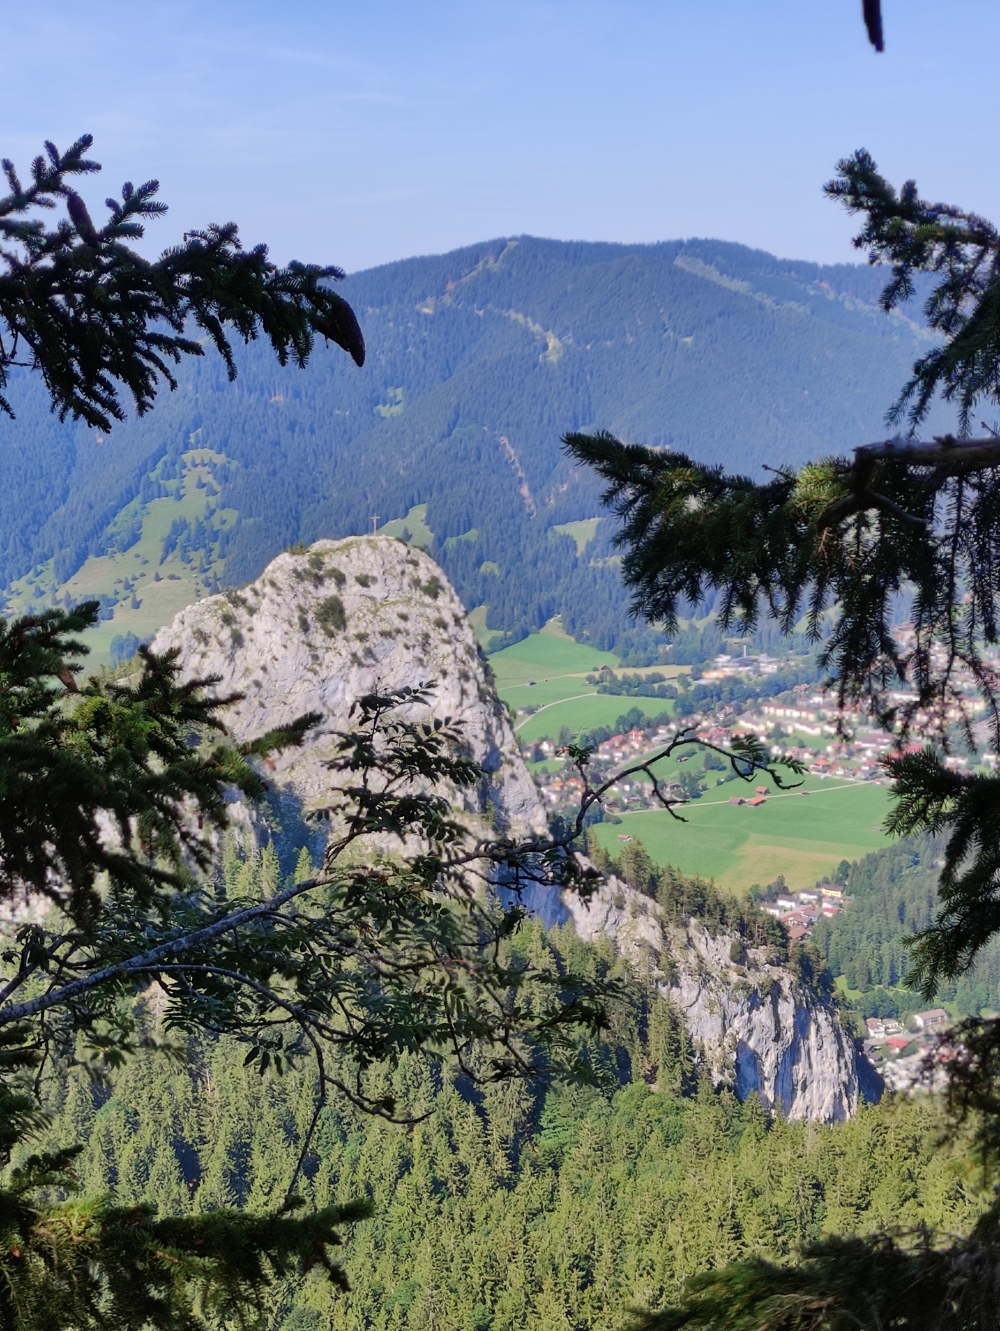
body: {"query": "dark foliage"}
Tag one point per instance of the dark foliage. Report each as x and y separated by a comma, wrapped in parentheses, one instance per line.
(72, 759)
(112, 795)
(872, 10)
(691, 532)
(963, 250)
(100, 1267)
(902, 517)
(861, 1284)
(94, 318)
(858, 535)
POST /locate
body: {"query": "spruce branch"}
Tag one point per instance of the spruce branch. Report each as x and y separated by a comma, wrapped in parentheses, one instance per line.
(99, 322)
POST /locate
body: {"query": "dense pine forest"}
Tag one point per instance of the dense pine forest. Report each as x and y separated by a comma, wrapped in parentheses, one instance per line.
(514, 1208)
(515, 1204)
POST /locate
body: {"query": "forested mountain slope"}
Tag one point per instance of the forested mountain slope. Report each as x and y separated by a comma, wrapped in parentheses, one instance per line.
(514, 1205)
(894, 895)
(478, 361)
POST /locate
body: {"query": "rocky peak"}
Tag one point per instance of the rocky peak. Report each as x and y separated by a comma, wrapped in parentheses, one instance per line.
(321, 628)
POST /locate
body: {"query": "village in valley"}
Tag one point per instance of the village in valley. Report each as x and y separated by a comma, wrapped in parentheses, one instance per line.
(804, 723)
(837, 746)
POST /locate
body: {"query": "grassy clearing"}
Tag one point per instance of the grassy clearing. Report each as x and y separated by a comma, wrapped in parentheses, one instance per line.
(158, 601)
(451, 541)
(546, 691)
(415, 523)
(547, 654)
(477, 618)
(817, 742)
(802, 838)
(585, 713)
(583, 532)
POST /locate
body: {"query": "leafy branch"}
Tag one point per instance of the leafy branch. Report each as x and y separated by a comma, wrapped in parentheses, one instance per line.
(747, 758)
(114, 798)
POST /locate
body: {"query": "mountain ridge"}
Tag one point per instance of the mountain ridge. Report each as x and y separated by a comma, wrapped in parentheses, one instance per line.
(479, 361)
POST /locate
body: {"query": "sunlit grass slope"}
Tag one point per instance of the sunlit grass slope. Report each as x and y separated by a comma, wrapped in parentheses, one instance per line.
(161, 590)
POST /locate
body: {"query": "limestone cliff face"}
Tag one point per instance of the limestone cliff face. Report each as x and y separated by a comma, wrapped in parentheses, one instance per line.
(756, 1027)
(318, 630)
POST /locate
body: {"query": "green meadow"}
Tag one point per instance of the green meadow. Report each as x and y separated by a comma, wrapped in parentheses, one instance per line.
(548, 653)
(159, 598)
(558, 668)
(415, 523)
(584, 713)
(800, 836)
(582, 532)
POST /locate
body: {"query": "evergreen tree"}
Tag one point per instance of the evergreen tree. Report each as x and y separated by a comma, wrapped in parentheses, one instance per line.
(903, 518)
(376, 956)
(94, 317)
(519, 1195)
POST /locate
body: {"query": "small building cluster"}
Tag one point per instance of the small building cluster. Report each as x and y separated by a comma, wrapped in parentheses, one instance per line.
(887, 1038)
(799, 911)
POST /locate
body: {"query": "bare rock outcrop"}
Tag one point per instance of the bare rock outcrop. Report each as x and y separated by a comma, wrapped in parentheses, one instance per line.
(755, 1025)
(319, 629)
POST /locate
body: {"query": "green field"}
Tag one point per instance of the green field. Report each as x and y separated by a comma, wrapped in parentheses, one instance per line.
(584, 713)
(548, 653)
(415, 523)
(159, 601)
(559, 667)
(582, 532)
(802, 837)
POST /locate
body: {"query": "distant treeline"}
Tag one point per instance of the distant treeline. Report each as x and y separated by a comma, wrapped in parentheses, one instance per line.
(731, 689)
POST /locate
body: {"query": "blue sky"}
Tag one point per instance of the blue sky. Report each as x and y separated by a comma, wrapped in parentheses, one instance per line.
(358, 134)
